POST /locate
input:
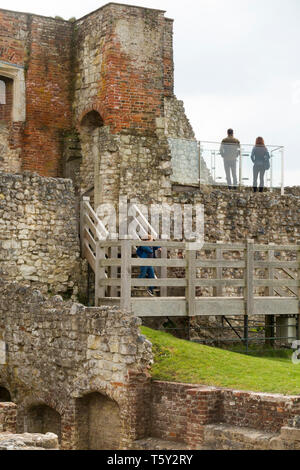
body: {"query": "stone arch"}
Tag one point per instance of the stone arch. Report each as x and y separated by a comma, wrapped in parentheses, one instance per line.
(99, 422)
(4, 395)
(41, 418)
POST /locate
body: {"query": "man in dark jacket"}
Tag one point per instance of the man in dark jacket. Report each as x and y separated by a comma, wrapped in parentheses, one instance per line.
(145, 252)
(230, 150)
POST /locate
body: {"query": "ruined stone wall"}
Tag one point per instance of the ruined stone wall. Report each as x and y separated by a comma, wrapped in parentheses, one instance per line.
(8, 417)
(59, 355)
(38, 231)
(40, 48)
(234, 216)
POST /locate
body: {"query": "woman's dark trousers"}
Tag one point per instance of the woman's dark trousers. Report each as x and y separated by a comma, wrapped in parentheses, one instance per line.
(259, 170)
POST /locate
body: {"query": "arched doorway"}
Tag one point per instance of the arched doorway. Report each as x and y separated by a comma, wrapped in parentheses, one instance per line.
(4, 395)
(98, 423)
(42, 419)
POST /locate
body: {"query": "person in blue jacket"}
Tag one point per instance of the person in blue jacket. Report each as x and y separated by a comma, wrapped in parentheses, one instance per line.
(147, 271)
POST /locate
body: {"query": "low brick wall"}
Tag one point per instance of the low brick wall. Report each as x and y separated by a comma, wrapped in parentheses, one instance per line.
(168, 410)
(265, 412)
(8, 417)
(181, 411)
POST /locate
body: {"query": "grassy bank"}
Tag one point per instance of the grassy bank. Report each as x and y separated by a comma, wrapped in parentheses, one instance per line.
(181, 361)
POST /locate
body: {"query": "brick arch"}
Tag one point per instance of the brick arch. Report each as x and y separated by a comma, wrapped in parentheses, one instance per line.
(96, 108)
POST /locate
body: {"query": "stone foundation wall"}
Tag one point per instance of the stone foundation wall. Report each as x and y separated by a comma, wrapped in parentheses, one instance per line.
(38, 231)
(63, 361)
(8, 417)
(10, 161)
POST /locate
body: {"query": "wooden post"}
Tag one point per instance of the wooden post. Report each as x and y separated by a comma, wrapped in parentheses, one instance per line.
(298, 277)
(270, 319)
(250, 290)
(126, 275)
(99, 274)
(85, 200)
(114, 271)
(191, 280)
(218, 290)
(164, 273)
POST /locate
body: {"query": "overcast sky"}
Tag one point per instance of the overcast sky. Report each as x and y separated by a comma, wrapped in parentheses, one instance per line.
(236, 65)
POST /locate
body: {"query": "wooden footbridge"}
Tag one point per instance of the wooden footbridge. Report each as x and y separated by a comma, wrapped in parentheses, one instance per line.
(237, 279)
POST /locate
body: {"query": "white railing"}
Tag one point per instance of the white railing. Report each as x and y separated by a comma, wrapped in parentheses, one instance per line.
(209, 154)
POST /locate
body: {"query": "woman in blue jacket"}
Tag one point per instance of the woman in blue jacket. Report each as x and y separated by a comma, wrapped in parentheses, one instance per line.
(261, 159)
(147, 252)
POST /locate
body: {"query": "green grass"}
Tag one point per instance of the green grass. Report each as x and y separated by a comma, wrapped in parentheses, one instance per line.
(182, 361)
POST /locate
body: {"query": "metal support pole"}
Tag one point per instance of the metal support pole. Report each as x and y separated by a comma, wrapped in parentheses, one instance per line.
(271, 174)
(240, 168)
(199, 154)
(282, 172)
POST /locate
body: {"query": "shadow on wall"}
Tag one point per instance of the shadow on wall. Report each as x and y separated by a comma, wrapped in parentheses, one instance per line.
(4, 395)
(98, 422)
(42, 419)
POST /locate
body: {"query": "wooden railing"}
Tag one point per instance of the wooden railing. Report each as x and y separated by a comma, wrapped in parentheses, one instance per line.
(116, 269)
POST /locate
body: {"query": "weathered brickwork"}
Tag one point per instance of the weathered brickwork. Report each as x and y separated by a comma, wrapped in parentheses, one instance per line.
(41, 47)
(38, 231)
(192, 415)
(121, 73)
(74, 360)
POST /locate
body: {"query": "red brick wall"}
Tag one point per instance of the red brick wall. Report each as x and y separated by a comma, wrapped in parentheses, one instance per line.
(258, 411)
(133, 48)
(169, 410)
(124, 76)
(180, 411)
(43, 47)
(48, 95)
